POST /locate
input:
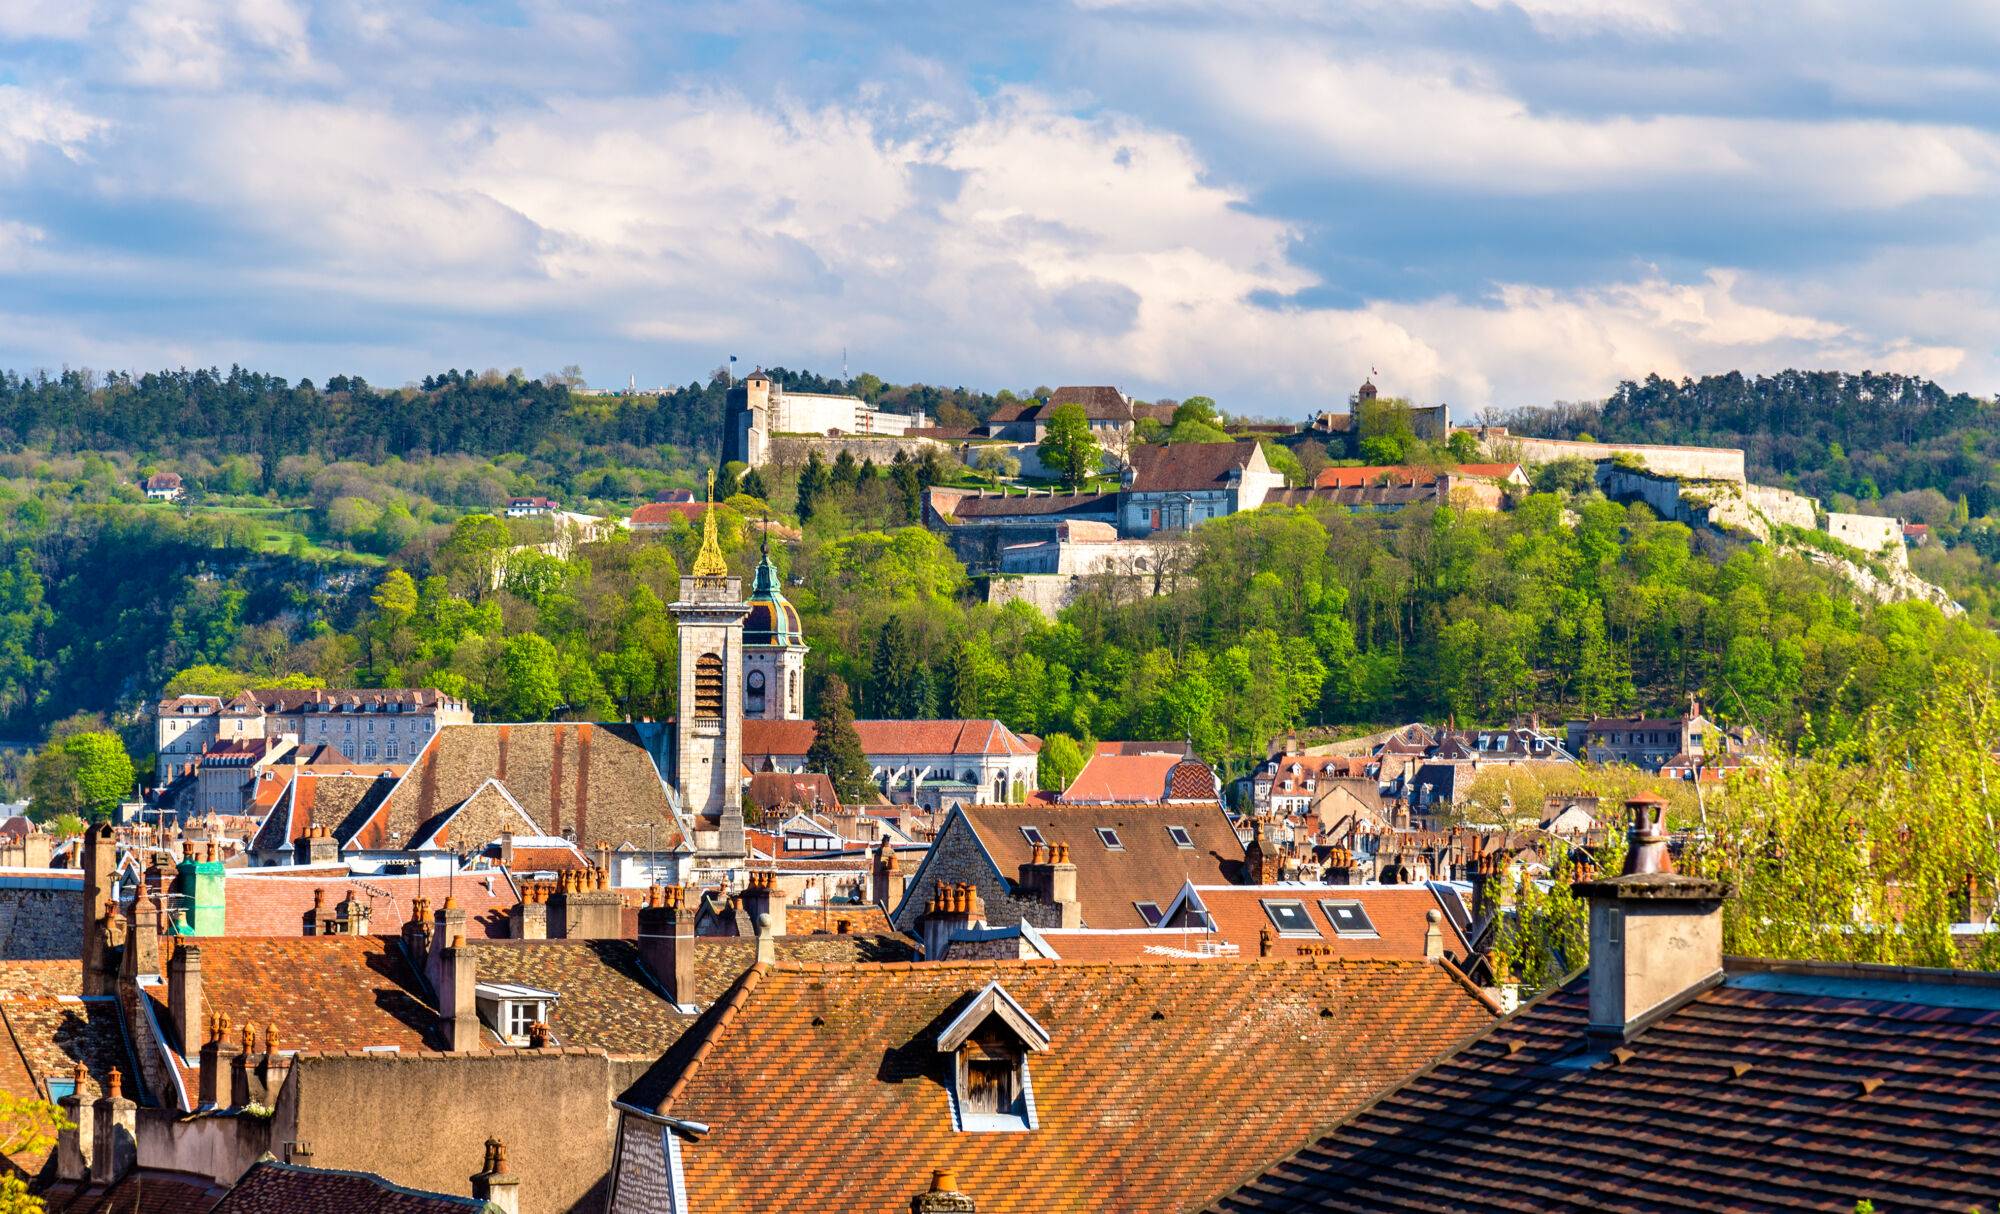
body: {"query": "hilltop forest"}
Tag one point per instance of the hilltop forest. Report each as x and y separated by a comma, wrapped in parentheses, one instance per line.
(357, 544)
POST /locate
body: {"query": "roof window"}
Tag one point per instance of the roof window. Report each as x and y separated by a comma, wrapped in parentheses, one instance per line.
(1150, 912)
(1034, 836)
(1289, 917)
(1180, 836)
(1109, 838)
(1348, 918)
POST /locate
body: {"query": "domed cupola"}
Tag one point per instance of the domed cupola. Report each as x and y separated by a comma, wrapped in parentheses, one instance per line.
(772, 620)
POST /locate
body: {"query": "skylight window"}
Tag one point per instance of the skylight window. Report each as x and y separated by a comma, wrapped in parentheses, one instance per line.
(1034, 836)
(1150, 912)
(1290, 917)
(1109, 838)
(1180, 836)
(1348, 918)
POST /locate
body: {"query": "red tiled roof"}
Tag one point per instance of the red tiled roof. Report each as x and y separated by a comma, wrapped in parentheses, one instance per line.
(338, 800)
(271, 1187)
(1788, 1087)
(663, 514)
(40, 979)
(1189, 466)
(257, 904)
(969, 737)
(1398, 913)
(1356, 478)
(1159, 1087)
(151, 1190)
(1148, 867)
(1192, 780)
(776, 790)
(1118, 778)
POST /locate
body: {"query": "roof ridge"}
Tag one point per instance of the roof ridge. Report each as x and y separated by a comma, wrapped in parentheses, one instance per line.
(731, 1006)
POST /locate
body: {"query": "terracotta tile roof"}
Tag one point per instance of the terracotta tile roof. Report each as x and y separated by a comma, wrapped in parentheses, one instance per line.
(546, 859)
(597, 780)
(1189, 466)
(1397, 913)
(1153, 945)
(270, 1187)
(1116, 778)
(318, 992)
(827, 918)
(772, 791)
(1354, 478)
(1789, 1087)
(663, 514)
(1148, 867)
(1247, 1073)
(54, 1034)
(268, 903)
(1015, 505)
(970, 737)
(1192, 780)
(338, 800)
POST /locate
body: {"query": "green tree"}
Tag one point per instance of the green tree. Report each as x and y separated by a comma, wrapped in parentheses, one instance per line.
(811, 487)
(86, 773)
(836, 747)
(531, 681)
(1068, 448)
(1059, 762)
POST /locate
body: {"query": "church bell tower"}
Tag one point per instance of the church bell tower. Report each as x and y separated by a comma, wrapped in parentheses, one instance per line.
(708, 728)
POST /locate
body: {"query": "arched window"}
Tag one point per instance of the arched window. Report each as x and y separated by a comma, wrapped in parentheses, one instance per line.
(753, 693)
(708, 690)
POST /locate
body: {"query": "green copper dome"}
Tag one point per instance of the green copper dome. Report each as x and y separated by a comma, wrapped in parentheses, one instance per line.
(772, 620)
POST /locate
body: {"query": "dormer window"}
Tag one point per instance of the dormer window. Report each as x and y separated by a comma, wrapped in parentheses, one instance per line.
(988, 1045)
(510, 1009)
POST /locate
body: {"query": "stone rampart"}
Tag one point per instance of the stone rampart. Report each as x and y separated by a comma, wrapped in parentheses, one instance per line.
(1694, 463)
(792, 450)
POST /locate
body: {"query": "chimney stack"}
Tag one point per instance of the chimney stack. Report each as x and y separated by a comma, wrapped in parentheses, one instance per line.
(586, 908)
(115, 1137)
(1050, 878)
(943, 1197)
(1433, 935)
(666, 942)
(1260, 861)
(352, 915)
(494, 1184)
(764, 902)
(100, 858)
(184, 997)
(218, 1064)
(456, 981)
(142, 941)
(953, 909)
(1655, 936)
(74, 1150)
(888, 878)
(529, 919)
(316, 846)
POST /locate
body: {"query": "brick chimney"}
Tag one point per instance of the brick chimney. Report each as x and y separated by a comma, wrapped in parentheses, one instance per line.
(1655, 936)
(417, 932)
(585, 907)
(1050, 878)
(142, 941)
(529, 919)
(184, 997)
(99, 864)
(74, 1151)
(316, 846)
(115, 1137)
(218, 1063)
(943, 1197)
(666, 942)
(494, 1184)
(764, 902)
(455, 980)
(888, 878)
(1260, 860)
(952, 909)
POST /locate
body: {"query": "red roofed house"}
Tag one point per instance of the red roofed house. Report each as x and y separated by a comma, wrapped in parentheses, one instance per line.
(163, 487)
(1356, 478)
(1133, 773)
(1021, 1086)
(1178, 487)
(935, 764)
(1123, 865)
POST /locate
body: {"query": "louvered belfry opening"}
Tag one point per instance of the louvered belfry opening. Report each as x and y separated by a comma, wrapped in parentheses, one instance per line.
(708, 687)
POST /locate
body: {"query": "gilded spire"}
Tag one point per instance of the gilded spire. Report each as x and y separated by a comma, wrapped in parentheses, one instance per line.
(708, 562)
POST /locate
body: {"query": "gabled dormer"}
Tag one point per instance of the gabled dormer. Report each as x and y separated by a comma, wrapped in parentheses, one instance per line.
(987, 1047)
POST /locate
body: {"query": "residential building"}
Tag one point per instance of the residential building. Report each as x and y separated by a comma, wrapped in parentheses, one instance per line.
(1021, 1085)
(1113, 418)
(387, 726)
(1668, 1076)
(532, 507)
(1510, 475)
(163, 487)
(1138, 773)
(1651, 743)
(1121, 865)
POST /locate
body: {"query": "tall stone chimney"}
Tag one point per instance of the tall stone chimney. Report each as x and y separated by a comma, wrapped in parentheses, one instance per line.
(1049, 877)
(1260, 859)
(585, 907)
(184, 997)
(529, 919)
(764, 902)
(888, 878)
(666, 942)
(100, 858)
(1655, 936)
(316, 846)
(142, 942)
(494, 1184)
(953, 909)
(115, 1137)
(74, 1150)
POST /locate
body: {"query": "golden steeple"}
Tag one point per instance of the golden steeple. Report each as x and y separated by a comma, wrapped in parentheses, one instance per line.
(708, 562)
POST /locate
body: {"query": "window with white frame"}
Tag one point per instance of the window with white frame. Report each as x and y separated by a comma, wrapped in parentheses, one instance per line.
(1180, 836)
(1110, 839)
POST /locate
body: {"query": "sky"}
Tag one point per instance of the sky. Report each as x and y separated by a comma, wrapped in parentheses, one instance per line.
(1493, 203)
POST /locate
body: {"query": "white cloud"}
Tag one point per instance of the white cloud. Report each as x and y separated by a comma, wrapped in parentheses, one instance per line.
(30, 120)
(57, 19)
(206, 44)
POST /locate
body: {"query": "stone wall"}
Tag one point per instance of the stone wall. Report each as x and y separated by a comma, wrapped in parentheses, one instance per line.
(794, 450)
(41, 918)
(1784, 506)
(220, 1146)
(422, 1119)
(1871, 534)
(1694, 463)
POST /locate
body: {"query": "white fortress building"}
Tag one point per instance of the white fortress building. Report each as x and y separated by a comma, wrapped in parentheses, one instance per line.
(760, 408)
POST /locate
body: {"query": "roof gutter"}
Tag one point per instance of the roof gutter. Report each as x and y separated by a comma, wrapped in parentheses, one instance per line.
(693, 1128)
